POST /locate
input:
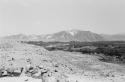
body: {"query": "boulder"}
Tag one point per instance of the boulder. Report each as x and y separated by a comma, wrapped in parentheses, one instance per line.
(4, 73)
(17, 72)
(1, 72)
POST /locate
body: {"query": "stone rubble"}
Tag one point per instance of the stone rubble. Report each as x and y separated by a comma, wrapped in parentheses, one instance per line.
(28, 61)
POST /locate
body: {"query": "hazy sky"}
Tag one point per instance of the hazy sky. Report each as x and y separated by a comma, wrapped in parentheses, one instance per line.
(48, 16)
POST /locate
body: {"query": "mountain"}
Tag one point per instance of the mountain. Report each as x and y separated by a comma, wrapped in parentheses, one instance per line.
(18, 36)
(71, 35)
(75, 35)
(116, 37)
(21, 37)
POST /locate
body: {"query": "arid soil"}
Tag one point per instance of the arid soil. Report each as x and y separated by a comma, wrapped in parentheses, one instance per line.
(21, 62)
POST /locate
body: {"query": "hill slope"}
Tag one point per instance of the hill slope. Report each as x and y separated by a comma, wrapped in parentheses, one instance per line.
(54, 66)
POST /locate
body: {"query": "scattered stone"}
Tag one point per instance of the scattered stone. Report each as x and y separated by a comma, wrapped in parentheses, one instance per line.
(17, 72)
(5, 73)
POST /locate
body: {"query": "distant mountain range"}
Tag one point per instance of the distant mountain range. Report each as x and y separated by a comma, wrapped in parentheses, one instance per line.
(72, 35)
(115, 37)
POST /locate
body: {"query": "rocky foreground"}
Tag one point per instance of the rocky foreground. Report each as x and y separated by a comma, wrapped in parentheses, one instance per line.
(21, 62)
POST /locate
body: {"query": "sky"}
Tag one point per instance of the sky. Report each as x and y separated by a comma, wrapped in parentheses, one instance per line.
(50, 16)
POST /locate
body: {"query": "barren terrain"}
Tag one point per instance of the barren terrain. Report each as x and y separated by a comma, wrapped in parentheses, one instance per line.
(20, 62)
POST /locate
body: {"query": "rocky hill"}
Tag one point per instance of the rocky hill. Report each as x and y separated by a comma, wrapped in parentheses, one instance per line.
(20, 62)
(75, 35)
